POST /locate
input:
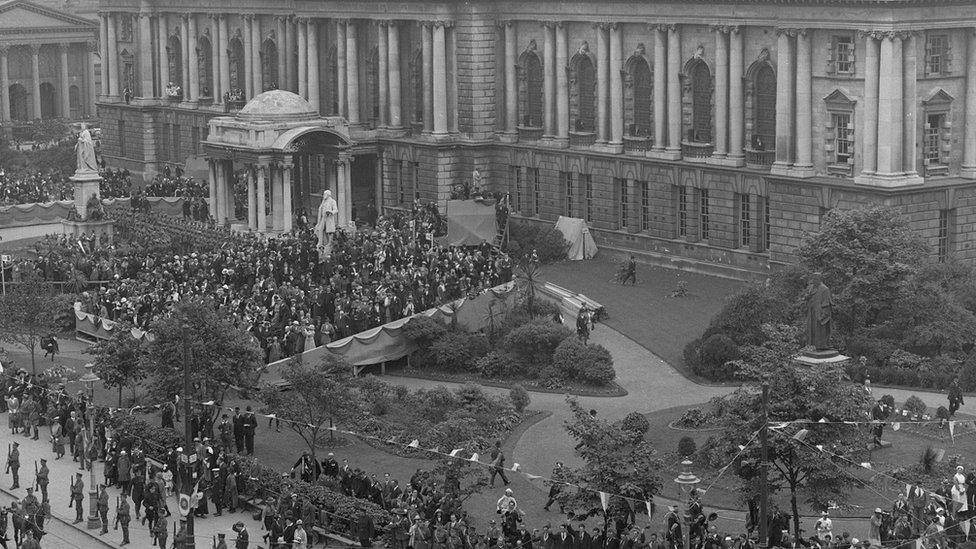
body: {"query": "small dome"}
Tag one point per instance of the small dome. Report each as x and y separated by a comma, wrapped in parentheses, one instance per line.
(279, 106)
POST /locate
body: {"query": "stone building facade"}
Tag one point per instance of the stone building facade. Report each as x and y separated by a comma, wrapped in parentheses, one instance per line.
(710, 132)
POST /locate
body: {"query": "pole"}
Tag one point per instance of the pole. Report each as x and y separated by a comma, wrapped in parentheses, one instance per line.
(764, 471)
(188, 452)
(94, 521)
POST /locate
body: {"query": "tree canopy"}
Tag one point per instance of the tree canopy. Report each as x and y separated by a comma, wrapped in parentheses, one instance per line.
(28, 312)
(118, 360)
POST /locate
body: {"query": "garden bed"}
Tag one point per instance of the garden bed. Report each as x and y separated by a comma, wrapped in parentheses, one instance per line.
(578, 389)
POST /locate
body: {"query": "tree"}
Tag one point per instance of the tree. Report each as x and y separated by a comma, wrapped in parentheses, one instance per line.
(865, 256)
(796, 394)
(529, 273)
(117, 360)
(615, 462)
(317, 398)
(221, 353)
(27, 313)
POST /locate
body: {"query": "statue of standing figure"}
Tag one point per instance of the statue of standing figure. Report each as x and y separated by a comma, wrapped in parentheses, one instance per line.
(85, 150)
(819, 308)
(325, 225)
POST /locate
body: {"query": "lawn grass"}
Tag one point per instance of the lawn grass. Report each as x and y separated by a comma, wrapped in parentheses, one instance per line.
(645, 312)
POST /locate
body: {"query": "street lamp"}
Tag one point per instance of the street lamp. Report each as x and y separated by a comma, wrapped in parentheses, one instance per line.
(89, 379)
(686, 481)
(188, 459)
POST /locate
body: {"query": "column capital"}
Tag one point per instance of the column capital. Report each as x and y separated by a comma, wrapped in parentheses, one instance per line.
(789, 31)
(721, 29)
(734, 29)
(870, 33)
(144, 14)
(548, 24)
(34, 48)
(64, 47)
(216, 17)
(446, 23)
(381, 23)
(247, 16)
(92, 46)
(506, 23)
(301, 19)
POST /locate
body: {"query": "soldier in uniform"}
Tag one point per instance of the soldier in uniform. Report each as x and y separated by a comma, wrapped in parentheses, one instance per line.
(122, 517)
(13, 464)
(42, 478)
(77, 496)
(102, 507)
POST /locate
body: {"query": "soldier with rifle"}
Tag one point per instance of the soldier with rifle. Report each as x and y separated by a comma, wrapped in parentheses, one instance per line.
(122, 517)
(77, 496)
(13, 463)
(102, 507)
(41, 477)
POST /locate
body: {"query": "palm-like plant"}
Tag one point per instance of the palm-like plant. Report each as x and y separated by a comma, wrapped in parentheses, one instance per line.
(529, 273)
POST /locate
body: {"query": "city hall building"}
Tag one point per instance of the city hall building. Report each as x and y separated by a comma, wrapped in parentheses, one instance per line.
(711, 132)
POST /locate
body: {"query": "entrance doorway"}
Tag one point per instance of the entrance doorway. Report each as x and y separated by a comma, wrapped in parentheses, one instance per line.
(364, 205)
(48, 101)
(18, 103)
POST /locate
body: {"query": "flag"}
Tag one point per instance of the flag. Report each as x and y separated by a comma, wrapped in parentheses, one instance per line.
(414, 444)
(435, 450)
(741, 447)
(455, 452)
(908, 490)
(208, 403)
(952, 430)
(604, 500)
(271, 416)
(516, 467)
(779, 425)
(532, 477)
(650, 509)
(896, 426)
(823, 420)
(800, 435)
(474, 457)
(820, 447)
(866, 464)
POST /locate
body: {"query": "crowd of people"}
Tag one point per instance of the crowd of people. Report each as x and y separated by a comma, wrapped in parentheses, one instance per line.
(29, 186)
(176, 184)
(22, 186)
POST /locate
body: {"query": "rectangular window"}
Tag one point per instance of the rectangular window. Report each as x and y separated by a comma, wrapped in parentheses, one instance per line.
(588, 196)
(935, 159)
(843, 138)
(645, 205)
(536, 192)
(745, 220)
(844, 54)
(568, 192)
(121, 130)
(682, 211)
(936, 54)
(946, 222)
(703, 213)
(621, 185)
(516, 196)
(765, 246)
(414, 183)
(399, 183)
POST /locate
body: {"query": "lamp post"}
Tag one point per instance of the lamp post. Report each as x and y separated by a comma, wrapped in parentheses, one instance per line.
(89, 379)
(686, 481)
(188, 459)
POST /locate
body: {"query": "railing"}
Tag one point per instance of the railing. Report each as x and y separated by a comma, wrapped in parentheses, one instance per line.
(693, 150)
(637, 145)
(581, 139)
(530, 133)
(760, 159)
(234, 105)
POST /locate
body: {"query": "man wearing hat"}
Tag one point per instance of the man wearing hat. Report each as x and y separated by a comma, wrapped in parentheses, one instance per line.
(122, 518)
(77, 496)
(242, 536)
(42, 478)
(13, 464)
(824, 526)
(102, 507)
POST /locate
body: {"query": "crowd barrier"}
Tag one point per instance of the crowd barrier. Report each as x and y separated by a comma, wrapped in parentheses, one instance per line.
(43, 213)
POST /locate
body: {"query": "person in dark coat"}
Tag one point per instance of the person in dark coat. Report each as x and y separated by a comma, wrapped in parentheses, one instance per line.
(365, 530)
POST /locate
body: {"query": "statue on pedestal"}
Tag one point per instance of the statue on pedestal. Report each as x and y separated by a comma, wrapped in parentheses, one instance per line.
(819, 321)
(85, 150)
(325, 225)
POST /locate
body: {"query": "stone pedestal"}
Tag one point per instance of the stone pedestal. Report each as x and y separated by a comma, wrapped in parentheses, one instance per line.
(819, 358)
(85, 185)
(76, 229)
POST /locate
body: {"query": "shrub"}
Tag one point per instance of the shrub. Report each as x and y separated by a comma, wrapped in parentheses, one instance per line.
(401, 391)
(458, 351)
(587, 363)
(713, 355)
(692, 417)
(497, 365)
(519, 397)
(549, 244)
(423, 331)
(636, 423)
(942, 413)
(915, 405)
(889, 400)
(687, 447)
(536, 341)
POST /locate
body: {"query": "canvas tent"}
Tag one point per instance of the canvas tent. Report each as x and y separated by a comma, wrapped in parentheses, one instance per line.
(470, 222)
(575, 231)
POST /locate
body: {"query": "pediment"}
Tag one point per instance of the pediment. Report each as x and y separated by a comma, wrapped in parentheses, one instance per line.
(938, 98)
(23, 16)
(840, 100)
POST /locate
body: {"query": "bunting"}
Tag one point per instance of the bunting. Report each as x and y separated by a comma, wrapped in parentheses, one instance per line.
(604, 500)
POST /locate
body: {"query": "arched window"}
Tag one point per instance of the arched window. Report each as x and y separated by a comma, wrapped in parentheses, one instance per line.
(269, 65)
(417, 87)
(205, 66)
(582, 93)
(530, 107)
(638, 92)
(700, 80)
(764, 108)
(373, 87)
(237, 76)
(174, 52)
(128, 70)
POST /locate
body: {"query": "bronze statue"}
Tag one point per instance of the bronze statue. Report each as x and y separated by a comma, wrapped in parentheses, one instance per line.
(819, 308)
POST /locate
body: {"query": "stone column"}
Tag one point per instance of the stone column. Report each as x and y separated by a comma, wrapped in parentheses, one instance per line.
(224, 60)
(65, 84)
(549, 79)
(246, 20)
(890, 121)
(803, 167)
(427, 52)
(352, 72)
(4, 84)
(869, 139)
(185, 44)
(660, 87)
(256, 54)
(219, 194)
(230, 207)
(145, 55)
(35, 80)
(162, 38)
(344, 188)
(287, 213)
(784, 102)
(440, 79)
(396, 118)
(616, 89)
(302, 28)
(968, 168)
(262, 213)
(720, 140)
(602, 82)
(383, 74)
(212, 188)
(341, 69)
(910, 104)
(103, 49)
(252, 199)
(291, 68)
(277, 204)
(736, 101)
(113, 57)
(511, 78)
(90, 51)
(312, 54)
(192, 46)
(674, 90)
(281, 35)
(562, 84)
(216, 90)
